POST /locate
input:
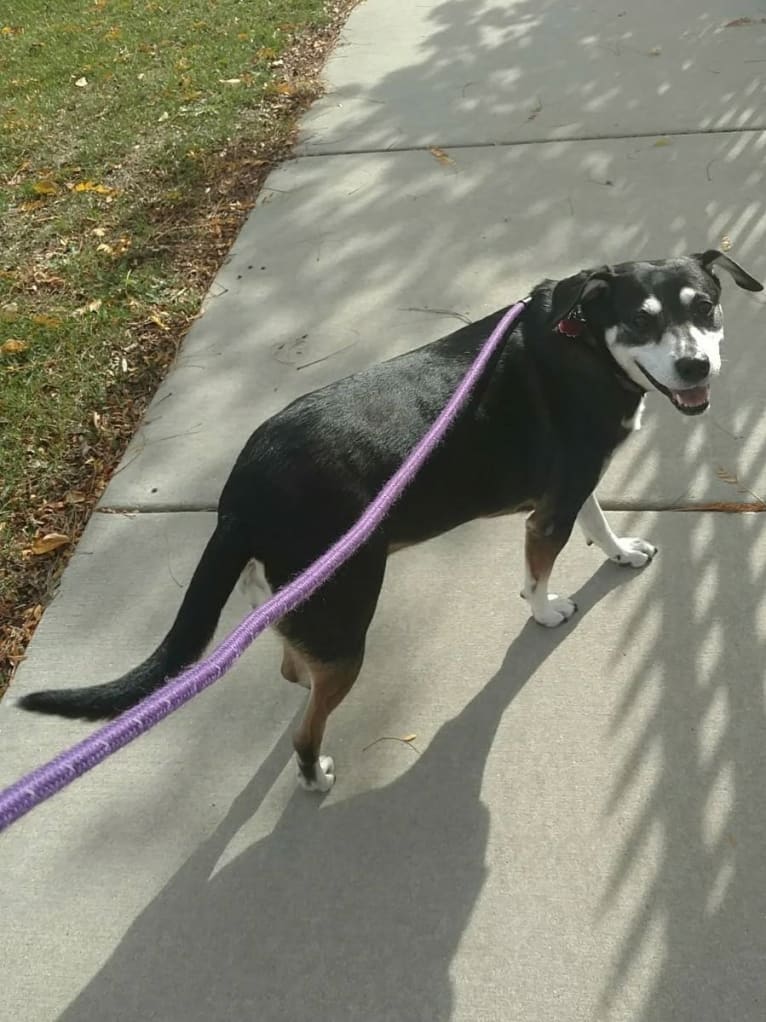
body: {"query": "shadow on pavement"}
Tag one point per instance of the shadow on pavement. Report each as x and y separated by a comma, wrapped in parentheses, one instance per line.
(350, 912)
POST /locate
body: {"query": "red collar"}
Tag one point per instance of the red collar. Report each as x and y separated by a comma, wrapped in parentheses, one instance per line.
(570, 327)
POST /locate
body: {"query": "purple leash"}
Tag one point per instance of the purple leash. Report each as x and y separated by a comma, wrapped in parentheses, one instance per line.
(51, 777)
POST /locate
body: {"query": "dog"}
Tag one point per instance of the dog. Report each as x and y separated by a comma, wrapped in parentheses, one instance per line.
(565, 390)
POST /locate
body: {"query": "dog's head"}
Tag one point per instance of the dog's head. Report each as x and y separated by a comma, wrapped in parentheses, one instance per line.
(661, 321)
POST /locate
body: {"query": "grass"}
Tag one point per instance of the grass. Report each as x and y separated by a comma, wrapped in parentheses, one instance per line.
(135, 134)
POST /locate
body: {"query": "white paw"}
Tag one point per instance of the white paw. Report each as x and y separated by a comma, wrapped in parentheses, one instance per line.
(558, 610)
(635, 552)
(324, 775)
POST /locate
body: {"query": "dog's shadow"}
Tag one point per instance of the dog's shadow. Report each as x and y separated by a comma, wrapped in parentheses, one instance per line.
(344, 913)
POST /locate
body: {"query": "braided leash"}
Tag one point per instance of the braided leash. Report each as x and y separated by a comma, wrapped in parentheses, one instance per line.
(51, 777)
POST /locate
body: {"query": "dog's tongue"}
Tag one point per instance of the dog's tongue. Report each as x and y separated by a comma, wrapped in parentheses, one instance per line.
(692, 397)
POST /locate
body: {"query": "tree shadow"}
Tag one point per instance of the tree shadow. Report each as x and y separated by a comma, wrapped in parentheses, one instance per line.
(688, 879)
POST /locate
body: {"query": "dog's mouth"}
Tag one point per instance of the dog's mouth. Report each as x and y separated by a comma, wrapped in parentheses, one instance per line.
(690, 401)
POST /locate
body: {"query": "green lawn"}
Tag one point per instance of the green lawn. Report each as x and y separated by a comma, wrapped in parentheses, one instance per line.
(133, 137)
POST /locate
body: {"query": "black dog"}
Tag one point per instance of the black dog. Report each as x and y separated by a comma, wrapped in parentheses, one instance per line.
(565, 390)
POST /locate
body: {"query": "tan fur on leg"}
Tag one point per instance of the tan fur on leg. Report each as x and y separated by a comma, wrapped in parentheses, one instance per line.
(330, 683)
(541, 552)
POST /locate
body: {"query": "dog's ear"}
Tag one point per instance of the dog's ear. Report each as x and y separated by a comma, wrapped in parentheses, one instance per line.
(572, 291)
(715, 258)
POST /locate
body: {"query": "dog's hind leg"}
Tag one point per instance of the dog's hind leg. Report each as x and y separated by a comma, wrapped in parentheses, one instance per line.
(544, 543)
(293, 667)
(625, 550)
(330, 683)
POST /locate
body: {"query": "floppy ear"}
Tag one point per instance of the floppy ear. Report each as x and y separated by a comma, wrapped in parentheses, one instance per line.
(572, 291)
(715, 258)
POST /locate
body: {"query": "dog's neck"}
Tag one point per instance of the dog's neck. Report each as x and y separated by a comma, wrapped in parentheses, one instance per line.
(576, 328)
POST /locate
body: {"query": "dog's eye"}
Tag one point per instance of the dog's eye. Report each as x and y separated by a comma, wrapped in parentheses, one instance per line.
(705, 308)
(641, 320)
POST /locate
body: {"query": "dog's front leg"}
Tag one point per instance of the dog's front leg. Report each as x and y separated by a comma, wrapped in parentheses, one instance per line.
(625, 550)
(545, 539)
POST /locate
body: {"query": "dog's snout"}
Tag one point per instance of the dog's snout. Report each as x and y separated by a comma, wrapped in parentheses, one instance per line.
(693, 369)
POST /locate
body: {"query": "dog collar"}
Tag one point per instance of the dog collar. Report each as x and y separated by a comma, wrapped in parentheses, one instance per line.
(570, 327)
(574, 325)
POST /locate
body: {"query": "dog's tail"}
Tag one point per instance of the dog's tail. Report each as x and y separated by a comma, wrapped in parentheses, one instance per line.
(221, 564)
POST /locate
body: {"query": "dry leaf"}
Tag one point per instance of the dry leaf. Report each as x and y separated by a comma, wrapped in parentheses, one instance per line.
(81, 83)
(163, 117)
(91, 186)
(155, 318)
(44, 187)
(441, 156)
(48, 321)
(230, 81)
(99, 232)
(13, 346)
(655, 51)
(93, 306)
(726, 476)
(725, 243)
(285, 89)
(409, 738)
(103, 247)
(661, 142)
(51, 541)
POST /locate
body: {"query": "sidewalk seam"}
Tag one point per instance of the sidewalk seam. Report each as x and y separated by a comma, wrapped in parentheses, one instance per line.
(301, 153)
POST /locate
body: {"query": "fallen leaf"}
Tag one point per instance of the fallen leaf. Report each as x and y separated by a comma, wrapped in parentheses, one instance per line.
(285, 89)
(655, 51)
(409, 738)
(51, 541)
(725, 243)
(155, 318)
(103, 247)
(47, 321)
(231, 81)
(44, 187)
(441, 156)
(661, 142)
(163, 117)
(93, 306)
(726, 476)
(99, 232)
(13, 346)
(82, 83)
(91, 186)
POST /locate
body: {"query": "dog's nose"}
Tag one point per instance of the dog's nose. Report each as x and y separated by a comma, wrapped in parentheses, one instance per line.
(692, 370)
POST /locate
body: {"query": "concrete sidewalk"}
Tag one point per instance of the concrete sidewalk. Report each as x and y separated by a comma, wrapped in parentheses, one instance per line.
(578, 831)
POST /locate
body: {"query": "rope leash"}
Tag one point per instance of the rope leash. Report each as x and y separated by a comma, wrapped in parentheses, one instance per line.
(48, 779)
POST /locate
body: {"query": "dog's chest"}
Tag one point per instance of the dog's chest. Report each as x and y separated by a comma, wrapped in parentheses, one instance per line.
(632, 423)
